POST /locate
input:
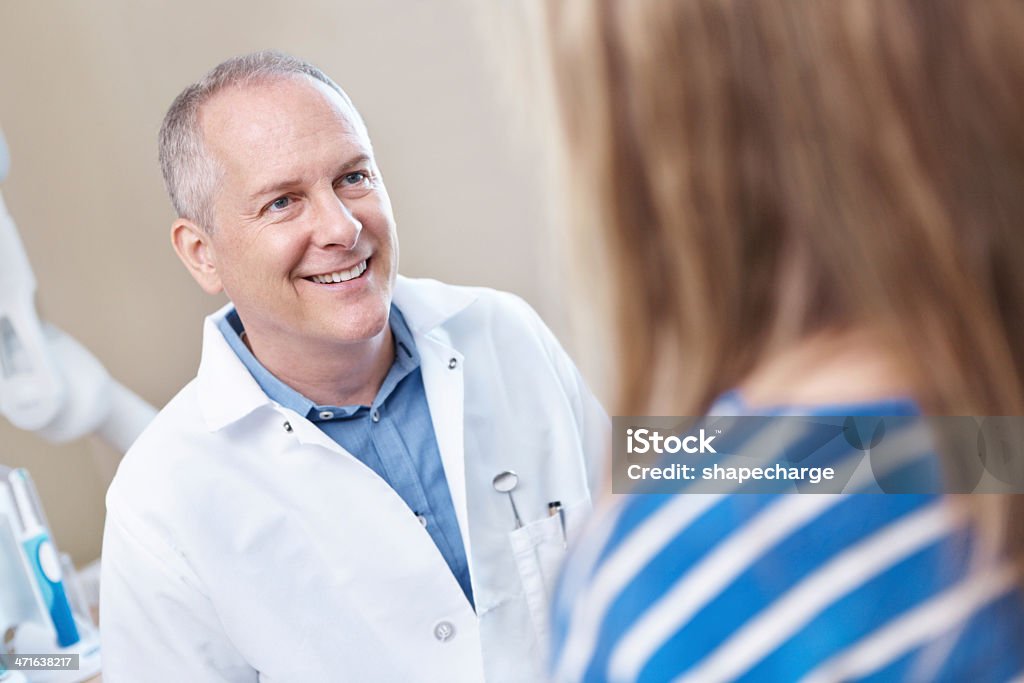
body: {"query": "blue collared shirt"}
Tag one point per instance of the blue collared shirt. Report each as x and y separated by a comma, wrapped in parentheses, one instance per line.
(393, 436)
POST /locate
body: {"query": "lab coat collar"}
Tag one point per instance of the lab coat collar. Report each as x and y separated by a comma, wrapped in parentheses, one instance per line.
(427, 304)
(226, 390)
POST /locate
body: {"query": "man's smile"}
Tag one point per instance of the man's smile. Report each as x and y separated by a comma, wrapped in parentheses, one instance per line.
(341, 275)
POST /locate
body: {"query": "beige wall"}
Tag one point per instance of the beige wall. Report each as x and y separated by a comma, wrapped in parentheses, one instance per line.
(83, 87)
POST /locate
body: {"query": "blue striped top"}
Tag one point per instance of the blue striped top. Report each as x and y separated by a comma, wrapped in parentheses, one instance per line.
(815, 588)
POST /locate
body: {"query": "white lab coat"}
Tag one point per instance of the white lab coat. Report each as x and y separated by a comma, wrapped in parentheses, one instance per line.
(242, 544)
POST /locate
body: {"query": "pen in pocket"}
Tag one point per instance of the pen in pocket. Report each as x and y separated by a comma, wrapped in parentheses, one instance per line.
(555, 508)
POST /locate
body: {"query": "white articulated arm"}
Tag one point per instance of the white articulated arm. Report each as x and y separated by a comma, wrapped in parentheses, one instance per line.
(50, 384)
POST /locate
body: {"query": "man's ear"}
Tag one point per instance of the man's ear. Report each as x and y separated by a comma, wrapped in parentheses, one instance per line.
(195, 250)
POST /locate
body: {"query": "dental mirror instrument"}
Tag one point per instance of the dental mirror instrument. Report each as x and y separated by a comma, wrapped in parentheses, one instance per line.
(506, 482)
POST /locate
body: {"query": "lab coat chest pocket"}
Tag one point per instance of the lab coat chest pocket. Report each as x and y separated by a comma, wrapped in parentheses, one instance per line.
(539, 549)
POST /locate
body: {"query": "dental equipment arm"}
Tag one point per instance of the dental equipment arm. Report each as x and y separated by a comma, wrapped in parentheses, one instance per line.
(50, 384)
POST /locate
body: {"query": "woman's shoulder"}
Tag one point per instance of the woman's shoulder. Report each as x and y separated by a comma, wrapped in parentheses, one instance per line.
(774, 587)
(753, 585)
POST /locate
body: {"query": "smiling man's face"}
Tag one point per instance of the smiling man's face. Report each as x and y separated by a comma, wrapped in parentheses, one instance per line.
(303, 239)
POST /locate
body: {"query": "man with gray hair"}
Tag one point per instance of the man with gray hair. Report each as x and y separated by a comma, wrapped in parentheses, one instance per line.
(331, 498)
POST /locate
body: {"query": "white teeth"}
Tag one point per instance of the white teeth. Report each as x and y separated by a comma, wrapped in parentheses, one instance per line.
(342, 275)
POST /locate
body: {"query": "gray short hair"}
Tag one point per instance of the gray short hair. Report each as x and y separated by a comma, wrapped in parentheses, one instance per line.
(190, 175)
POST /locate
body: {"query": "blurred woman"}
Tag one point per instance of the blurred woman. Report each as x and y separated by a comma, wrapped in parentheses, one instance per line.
(805, 207)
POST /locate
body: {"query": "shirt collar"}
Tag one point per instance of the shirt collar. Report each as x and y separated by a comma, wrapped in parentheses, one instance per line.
(230, 325)
(228, 391)
(406, 360)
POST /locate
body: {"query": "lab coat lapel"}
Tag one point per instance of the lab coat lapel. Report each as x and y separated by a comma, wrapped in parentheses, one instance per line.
(428, 306)
(442, 368)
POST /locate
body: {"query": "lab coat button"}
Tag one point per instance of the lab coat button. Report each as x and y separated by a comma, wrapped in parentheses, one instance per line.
(287, 426)
(452, 363)
(375, 416)
(444, 631)
(423, 520)
(326, 415)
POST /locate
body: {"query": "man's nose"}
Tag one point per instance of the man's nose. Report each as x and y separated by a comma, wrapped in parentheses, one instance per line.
(336, 225)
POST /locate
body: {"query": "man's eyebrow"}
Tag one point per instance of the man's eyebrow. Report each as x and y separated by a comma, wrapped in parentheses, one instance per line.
(274, 188)
(281, 185)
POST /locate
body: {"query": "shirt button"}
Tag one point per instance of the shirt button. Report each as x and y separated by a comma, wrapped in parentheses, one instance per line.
(375, 416)
(326, 415)
(444, 631)
(423, 520)
(287, 426)
(452, 363)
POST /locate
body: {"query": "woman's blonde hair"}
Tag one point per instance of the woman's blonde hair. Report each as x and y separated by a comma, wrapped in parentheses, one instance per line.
(761, 170)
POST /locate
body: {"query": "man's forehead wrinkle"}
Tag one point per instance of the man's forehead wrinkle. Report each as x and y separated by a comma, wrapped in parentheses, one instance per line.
(272, 153)
(256, 127)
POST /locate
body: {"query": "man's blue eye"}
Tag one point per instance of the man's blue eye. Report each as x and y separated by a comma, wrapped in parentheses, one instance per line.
(355, 178)
(280, 203)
